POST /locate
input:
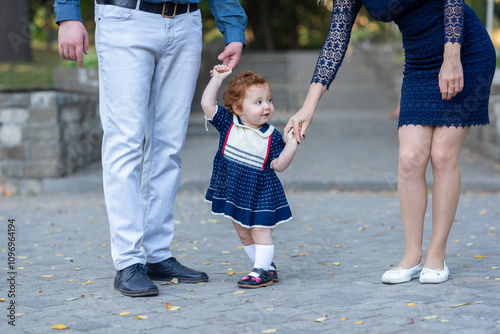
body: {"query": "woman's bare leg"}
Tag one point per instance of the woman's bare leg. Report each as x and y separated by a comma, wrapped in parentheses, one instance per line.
(446, 146)
(414, 152)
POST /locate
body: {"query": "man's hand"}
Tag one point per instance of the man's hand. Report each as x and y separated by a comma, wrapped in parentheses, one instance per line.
(232, 54)
(73, 41)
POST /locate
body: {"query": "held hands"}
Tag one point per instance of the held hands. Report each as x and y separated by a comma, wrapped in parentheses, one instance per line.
(231, 54)
(290, 138)
(73, 41)
(451, 76)
(221, 72)
(298, 124)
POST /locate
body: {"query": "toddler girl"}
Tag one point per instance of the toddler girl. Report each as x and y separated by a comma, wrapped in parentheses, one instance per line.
(244, 186)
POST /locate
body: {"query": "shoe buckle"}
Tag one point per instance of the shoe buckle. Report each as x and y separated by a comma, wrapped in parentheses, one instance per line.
(164, 9)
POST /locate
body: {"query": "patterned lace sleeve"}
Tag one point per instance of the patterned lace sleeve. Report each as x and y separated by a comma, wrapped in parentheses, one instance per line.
(453, 21)
(330, 58)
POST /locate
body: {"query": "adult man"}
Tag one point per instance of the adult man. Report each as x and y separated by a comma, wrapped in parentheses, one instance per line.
(149, 59)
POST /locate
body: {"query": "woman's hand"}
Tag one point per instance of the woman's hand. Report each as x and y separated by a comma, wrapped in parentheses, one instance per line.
(303, 118)
(451, 76)
(298, 123)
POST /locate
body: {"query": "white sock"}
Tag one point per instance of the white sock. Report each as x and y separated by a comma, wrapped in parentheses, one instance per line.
(250, 250)
(263, 257)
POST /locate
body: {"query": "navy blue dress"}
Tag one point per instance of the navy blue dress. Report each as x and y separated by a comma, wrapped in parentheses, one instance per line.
(426, 25)
(244, 187)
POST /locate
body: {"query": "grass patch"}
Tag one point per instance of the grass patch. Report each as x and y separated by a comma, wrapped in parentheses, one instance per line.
(38, 73)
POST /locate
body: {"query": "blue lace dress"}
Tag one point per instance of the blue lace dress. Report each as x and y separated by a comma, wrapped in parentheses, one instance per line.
(243, 186)
(426, 25)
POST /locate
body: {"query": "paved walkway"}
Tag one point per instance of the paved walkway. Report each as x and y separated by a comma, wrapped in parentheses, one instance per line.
(345, 233)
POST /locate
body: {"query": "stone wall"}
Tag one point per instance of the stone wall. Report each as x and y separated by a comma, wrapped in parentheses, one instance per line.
(47, 134)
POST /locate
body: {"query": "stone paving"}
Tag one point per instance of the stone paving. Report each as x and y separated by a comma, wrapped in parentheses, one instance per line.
(330, 260)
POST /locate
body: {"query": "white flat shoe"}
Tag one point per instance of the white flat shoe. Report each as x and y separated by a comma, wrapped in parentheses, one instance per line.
(400, 275)
(434, 276)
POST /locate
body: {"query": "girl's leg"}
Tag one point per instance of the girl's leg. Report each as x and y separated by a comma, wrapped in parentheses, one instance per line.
(264, 247)
(445, 154)
(246, 239)
(414, 152)
(244, 234)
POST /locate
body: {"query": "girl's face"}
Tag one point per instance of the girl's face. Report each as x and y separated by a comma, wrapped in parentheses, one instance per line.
(257, 107)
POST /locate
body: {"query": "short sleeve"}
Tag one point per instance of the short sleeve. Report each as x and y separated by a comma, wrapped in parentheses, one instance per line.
(222, 119)
(277, 145)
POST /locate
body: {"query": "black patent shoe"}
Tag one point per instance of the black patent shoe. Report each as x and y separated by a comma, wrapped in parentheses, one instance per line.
(265, 278)
(133, 282)
(274, 272)
(169, 269)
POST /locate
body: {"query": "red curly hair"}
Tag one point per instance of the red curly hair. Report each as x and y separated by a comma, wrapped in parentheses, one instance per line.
(237, 88)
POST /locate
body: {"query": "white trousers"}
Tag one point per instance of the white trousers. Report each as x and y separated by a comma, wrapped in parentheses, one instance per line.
(148, 66)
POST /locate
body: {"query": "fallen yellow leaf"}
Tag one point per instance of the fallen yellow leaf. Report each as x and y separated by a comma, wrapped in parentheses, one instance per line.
(124, 313)
(482, 212)
(494, 267)
(2, 299)
(321, 319)
(411, 304)
(336, 263)
(458, 305)
(271, 330)
(225, 263)
(231, 273)
(60, 255)
(59, 326)
(141, 317)
(269, 309)
(70, 280)
(359, 323)
(344, 319)
(45, 276)
(444, 320)
(480, 256)
(239, 292)
(430, 317)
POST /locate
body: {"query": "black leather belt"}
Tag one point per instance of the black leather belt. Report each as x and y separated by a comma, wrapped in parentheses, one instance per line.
(166, 9)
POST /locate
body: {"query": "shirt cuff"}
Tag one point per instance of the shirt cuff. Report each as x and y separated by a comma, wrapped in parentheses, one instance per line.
(234, 35)
(67, 12)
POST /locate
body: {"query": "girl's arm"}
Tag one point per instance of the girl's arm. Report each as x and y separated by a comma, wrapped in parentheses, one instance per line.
(209, 97)
(451, 77)
(286, 156)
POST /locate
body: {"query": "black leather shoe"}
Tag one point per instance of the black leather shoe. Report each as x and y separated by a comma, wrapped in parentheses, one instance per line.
(265, 278)
(274, 272)
(133, 282)
(168, 269)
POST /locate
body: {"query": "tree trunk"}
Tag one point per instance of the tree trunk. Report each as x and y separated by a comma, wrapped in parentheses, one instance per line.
(267, 32)
(14, 31)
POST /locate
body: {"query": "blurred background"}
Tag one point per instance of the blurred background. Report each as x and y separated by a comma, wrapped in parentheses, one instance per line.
(29, 51)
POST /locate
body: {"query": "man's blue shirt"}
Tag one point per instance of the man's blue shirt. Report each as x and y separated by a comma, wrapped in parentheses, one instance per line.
(230, 18)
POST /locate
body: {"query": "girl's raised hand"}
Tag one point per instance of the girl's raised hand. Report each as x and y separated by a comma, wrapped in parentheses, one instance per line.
(221, 71)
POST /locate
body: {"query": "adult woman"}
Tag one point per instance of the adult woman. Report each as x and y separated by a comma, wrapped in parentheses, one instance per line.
(449, 66)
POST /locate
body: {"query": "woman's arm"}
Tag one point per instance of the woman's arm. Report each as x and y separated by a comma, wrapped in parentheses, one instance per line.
(330, 58)
(451, 78)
